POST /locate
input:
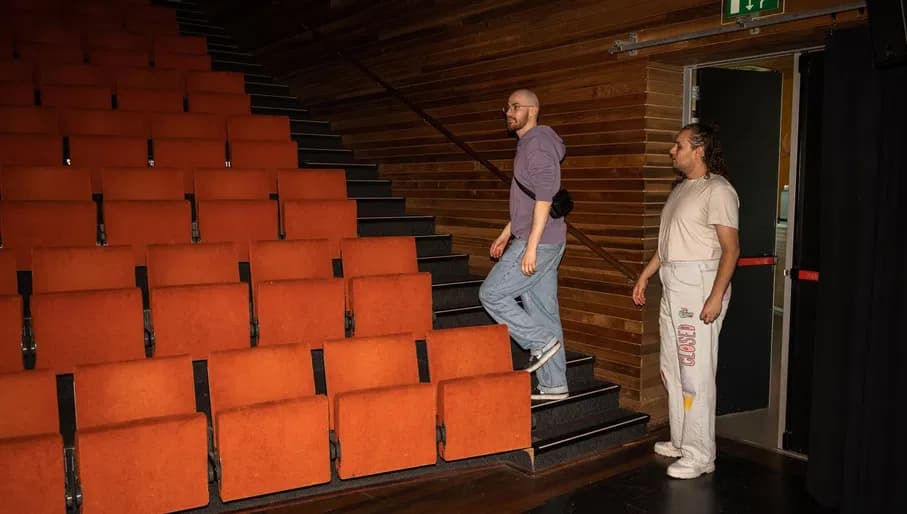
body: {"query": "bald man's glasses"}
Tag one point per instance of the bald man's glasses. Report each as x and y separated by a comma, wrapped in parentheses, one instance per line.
(514, 107)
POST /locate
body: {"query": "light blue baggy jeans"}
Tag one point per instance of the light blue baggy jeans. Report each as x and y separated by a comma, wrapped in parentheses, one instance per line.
(538, 322)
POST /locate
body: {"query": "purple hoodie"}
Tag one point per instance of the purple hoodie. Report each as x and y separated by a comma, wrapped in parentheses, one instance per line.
(537, 165)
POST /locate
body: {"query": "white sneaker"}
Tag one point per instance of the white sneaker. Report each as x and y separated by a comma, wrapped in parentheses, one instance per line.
(687, 469)
(667, 449)
(543, 396)
(536, 361)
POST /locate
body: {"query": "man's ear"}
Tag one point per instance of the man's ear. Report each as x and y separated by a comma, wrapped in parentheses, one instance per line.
(700, 152)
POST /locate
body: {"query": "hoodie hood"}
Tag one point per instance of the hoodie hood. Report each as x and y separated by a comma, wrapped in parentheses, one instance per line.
(545, 137)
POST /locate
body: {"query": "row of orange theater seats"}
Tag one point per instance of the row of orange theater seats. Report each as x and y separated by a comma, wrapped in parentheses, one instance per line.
(198, 305)
(141, 446)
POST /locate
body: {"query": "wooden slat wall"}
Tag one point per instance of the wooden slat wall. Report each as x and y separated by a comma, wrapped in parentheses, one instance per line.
(617, 115)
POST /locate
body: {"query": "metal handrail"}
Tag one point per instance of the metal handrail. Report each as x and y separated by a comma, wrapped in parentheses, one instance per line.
(575, 232)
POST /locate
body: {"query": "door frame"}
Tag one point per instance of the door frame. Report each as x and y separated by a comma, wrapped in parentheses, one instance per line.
(778, 372)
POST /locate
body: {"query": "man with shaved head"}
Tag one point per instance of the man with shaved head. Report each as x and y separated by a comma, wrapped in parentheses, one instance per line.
(527, 269)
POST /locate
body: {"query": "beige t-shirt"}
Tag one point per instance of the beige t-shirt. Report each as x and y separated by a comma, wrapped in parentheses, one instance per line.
(687, 231)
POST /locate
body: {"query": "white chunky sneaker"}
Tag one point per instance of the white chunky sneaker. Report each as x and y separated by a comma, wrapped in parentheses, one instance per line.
(687, 469)
(667, 449)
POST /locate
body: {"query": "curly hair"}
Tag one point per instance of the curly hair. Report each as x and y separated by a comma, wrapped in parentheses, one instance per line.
(706, 136)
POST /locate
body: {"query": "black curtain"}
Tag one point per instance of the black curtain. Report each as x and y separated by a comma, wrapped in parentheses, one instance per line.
(858, 429)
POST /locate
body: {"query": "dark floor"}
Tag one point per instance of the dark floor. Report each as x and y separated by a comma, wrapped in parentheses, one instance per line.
(626, 480)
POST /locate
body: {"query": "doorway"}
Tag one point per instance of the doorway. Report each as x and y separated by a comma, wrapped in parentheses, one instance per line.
(753, 103)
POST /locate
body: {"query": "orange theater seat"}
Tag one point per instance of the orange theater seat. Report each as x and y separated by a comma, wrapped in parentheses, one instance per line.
(119, 58)
(142, 184)
(84, 122)
(223, 82)
(75, 75)
(50, 54)
(268, 420)
(49, 183)
(483, 404)
(17, 93)
(383, 418)
(30, 150)
(11, 325)
(199, 319)
(18, 71)
(32, 475)
(84, 327)
(142, 223)
(184, 62)
(58, 270)
(123, 41)
(333, 220)
(27, 225)
(76, 97)
(189, 153)
(148, 78)
(141, 447)
(300, 311)
(368, 256)
(29, 120)
(290, 260)
(149, 100)
(192, 45)
(108, 151)
(264, 154)
(188, 264)
(258, 127)
(223, 104)
(311, 184)
(230, 184)
(237, 221)
(8, 279)
(379, 307)
(188, 125)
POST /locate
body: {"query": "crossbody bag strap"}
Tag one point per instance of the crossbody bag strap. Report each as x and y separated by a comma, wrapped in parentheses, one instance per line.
(525, 189)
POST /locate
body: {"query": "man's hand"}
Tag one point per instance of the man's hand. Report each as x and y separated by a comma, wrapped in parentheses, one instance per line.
(639, 291)
(711, 310)
(528, 264)
(498, 246)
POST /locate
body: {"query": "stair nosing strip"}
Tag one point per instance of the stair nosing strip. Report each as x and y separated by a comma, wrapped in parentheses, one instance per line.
(460, 309)
(441, 257)
(576, 397)
(457, 283)
(544, 446)
(314, 134)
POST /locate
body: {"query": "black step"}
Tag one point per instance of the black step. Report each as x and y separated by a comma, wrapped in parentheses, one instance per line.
(571, 441)
(462, 317)
(231, 65)
(396, 226)
(353, 171)
(298, 125)
(316, 140)
(447, 267)
(293, 112)
(266, 88)
(586, 397)
(368, 188)
(455, 293)
(434, 244)
(381, 206)
(201, 28)
(333, 155)
(276, 101)
(230, 54)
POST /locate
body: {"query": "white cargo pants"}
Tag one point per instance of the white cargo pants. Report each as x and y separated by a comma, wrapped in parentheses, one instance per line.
(689, 355)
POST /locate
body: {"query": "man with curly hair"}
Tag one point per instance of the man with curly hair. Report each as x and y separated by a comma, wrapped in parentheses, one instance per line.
(697, 252)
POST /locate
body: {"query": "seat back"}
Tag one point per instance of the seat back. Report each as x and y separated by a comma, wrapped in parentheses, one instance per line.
(300, 311)
(366, 256)
(237, 221)
(141, 223)
(264, 154)
(27, 225)
(219, 103)
(388, 304)
(229, 184)
(148, 78)
(86, 122)
(188, 264)
(468, 351)
(149, 100)
(258, 127)
(30, 150)
(11, 326)
(76, 97)
(29, 120)
(41, 184)
(290, 260)
(113, 393)
(29, 399)
(200, 319)
(87, 327)
(369, 362)
(57, 270)
(188, 125)
(333, 220)
(8, 278)
(142, 184)
(315, 184)
(222, 82)
(240, 378)
(189, 153)
(108, 151)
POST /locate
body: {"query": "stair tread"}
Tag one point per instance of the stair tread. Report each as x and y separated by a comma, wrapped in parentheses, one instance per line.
(578, 391)
(588, 426)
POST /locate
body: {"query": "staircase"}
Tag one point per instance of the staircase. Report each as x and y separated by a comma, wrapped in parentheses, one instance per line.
(590, 420)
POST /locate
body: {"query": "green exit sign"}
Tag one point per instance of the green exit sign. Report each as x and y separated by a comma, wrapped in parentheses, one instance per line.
(737, 8)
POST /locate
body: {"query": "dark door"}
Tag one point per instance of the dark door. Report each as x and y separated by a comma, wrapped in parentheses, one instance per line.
(803, 274)
(746, 105)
